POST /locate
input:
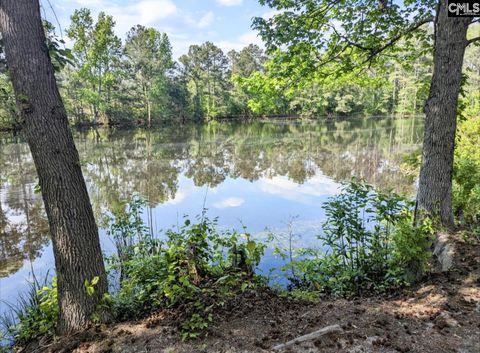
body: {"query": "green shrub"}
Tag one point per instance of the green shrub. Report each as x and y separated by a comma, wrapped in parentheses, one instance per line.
(466, 175)
(8, 110)
(410, 249)
(369, 244)
(194, 267)
(34, 315)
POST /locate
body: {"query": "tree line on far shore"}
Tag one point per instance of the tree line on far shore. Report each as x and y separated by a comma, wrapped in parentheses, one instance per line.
(105, 80)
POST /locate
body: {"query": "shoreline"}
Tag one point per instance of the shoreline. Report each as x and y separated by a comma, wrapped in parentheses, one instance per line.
(280, 117)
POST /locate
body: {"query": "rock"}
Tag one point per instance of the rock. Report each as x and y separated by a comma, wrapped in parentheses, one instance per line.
(444, 251)
(444, 320)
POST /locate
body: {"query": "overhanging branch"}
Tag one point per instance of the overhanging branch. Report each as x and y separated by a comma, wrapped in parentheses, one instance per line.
(375, 51)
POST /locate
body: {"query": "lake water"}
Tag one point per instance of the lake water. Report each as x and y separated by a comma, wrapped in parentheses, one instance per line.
(263, 175)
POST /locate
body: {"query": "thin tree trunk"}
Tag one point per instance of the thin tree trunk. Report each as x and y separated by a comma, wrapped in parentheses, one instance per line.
(435, 184)
(95, 114)
(147, 103)
(3, 217)
(74, 233)
(149, 110)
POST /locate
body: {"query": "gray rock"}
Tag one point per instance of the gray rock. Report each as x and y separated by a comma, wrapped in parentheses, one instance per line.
(444, 251)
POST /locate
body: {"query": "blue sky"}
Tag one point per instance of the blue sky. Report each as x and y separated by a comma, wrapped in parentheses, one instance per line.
(224, 22)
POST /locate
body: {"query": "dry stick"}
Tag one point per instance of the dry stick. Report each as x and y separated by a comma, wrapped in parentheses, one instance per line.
(313, 335)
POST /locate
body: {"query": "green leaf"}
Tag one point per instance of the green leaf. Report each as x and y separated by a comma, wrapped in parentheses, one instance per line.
(251, 246)
(95, 280)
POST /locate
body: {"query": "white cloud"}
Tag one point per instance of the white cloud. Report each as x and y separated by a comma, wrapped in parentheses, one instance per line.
(309, 192)
(181, 44)
(150, 11)
(180, 196)
(230, 2)
(251, 37)
(206, 20)
(184, 26)
(241, 42)
(269, 14)
(90, 3)
(147, 13)
(229, 202)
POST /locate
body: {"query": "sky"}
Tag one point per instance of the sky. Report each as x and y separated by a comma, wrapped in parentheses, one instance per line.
(227, 23)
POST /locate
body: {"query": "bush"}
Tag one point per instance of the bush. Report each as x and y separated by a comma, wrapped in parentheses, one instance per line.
(194, 267)
(466, 175)
(34, 315)
(8, 110)
(369, 244)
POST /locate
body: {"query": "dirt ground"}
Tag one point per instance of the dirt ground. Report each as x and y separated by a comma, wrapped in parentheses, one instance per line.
(441, 314)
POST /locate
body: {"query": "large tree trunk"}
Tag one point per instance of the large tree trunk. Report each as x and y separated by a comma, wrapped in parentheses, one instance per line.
(435, 185)
(74, 233)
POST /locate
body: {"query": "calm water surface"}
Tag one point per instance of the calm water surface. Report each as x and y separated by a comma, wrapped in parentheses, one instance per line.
(261, 175)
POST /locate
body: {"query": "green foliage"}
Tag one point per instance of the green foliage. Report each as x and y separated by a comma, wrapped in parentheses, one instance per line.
(410, 249)
(466, 175)
(59, 55)
(393, 87)
(126, 227)
(334, 55)
(470, 97)
(96, 52)
(148, 58)
(8, 112)
(319, 33)
(466, 172)
(411, 164)
(369, 245)
(265, 94)
(90, 285)
(34, 315)
(104, 80)
(193, 267)
(206, 67)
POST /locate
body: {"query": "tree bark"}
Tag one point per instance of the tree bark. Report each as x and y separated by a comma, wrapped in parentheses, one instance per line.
(147, 103)
(149, 112)
(435, 184)
(74, 233)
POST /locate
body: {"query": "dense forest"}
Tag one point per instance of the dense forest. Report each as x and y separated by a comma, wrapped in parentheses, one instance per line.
(106, 80)
(385, 271)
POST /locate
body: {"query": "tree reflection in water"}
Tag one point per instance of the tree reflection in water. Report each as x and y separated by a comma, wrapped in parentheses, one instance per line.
(118, 163)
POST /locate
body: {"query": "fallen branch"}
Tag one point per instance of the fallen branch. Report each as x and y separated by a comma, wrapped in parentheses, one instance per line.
(311, 336)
